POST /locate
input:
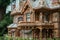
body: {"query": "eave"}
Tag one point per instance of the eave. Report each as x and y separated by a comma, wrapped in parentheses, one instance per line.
(48, 9)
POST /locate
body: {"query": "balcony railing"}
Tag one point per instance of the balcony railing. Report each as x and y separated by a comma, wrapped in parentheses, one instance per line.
(34, 23)
(26, 23)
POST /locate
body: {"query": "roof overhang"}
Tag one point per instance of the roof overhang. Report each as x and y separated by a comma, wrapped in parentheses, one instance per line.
(47, 9)
(12, 26)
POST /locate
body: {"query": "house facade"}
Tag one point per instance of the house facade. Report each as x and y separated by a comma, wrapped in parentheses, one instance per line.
(35, 19)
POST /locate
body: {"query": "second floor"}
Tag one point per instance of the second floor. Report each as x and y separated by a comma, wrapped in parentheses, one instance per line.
(37, 17)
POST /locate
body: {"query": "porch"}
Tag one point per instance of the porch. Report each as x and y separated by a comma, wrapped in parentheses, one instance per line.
(34, 32)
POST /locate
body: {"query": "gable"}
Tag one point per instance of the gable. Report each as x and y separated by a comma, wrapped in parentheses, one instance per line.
(26, 8)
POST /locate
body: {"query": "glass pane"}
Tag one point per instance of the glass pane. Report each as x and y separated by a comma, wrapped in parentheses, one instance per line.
(28, 14)
(28, 20)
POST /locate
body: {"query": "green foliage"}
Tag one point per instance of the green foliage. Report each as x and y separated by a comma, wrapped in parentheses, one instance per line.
(4, 3)
(6, 37)
(6, 21)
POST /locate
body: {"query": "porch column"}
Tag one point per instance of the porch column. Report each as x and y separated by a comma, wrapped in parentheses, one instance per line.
(18, 33)
(40, 33)
(40, 37)
(32, 33)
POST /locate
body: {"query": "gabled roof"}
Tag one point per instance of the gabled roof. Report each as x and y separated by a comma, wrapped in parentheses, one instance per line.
(38, 5)
(26, 7)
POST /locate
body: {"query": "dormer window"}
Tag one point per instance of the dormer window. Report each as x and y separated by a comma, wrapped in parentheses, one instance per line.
(20, 18)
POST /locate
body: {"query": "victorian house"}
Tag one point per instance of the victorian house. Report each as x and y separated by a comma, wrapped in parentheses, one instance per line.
(35, 19)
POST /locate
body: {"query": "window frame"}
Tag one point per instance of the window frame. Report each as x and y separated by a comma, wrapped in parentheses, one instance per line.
(28, 17)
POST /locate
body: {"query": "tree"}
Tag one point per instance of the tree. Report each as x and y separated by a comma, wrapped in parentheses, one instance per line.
(4, 23)
(3, 5)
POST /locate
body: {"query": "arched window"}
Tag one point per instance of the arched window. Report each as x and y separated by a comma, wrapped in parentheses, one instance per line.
(20, 18)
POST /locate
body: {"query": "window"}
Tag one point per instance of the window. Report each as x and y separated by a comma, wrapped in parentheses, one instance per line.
(46, 17)
(55, 16)
(36, 16)
(28, 17)
(20, 19)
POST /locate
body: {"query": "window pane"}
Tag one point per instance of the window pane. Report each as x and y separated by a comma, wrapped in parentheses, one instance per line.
(28, 14)
(28, 19)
